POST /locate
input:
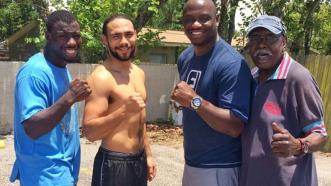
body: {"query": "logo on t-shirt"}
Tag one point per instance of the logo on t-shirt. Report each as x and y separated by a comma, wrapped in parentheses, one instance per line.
(272, 108)
(68, 122)
(193, 78)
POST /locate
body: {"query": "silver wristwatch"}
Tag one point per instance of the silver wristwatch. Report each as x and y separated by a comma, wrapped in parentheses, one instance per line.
(196, 102)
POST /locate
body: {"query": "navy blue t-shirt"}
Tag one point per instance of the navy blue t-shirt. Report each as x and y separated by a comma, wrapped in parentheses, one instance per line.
(222, 77)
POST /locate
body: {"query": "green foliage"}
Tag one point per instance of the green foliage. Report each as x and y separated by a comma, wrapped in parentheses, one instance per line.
(169, 16)
(91, 15)
(14, 15)
(136, 61)
(226, 11)
(149, 39)
(321, 39)
(308, 22)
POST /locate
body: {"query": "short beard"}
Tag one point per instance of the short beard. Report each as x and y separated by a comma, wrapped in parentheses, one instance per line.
(123, 59)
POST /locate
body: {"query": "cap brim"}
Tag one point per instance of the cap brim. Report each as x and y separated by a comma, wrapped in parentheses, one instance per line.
(270, 28)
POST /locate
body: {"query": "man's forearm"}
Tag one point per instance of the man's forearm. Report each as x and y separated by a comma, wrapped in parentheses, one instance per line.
(221, 120)
(45, 120)
(98, 128)
(147, 146)
(315, 141)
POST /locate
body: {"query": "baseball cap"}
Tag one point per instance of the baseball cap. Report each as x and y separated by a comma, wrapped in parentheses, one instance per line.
(271, 23)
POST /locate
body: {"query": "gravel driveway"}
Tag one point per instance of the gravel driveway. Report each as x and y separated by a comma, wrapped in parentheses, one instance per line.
(170, 164)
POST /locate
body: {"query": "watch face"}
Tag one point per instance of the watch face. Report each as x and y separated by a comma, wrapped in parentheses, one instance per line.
(196, 102)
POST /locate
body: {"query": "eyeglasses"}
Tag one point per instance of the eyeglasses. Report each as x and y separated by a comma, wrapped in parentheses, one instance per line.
(190, 20)
(269, 40)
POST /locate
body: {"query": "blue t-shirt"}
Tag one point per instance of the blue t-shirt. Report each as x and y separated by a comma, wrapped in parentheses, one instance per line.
(53, 158)
(222, 77)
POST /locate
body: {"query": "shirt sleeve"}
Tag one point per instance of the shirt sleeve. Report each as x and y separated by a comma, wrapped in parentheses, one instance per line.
(234, 89)
(31, 96)
(310, 105)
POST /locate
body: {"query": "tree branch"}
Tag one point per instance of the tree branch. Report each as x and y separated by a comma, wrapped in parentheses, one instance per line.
(144, 15)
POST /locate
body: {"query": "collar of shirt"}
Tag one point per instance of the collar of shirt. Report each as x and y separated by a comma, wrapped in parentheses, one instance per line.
(281, 71)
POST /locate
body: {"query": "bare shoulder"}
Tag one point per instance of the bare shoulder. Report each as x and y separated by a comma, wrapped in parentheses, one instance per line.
(138, 70)
(100, 72)
(99, 78)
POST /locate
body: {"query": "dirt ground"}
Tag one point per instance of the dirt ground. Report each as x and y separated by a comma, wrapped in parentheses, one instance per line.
(167, 147)
(165, 134)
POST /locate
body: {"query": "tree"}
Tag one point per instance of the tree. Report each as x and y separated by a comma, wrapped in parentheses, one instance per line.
(226, 10)
(307, 22)
(91, 15)
(146, 10)
(14, 15)
(321, 39)
(301, 19)
(168, 16)
(302, 35)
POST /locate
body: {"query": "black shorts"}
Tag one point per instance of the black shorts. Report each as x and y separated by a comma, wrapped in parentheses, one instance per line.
(119, 169)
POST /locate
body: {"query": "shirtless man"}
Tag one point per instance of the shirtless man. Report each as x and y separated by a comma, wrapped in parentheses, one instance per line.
(115, 111)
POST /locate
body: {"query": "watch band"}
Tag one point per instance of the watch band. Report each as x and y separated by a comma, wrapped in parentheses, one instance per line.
(304, 146)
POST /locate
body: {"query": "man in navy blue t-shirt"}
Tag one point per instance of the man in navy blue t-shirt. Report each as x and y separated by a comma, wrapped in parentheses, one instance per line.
(215, 91)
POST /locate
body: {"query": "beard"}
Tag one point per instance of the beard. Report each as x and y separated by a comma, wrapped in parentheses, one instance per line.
(122, 58)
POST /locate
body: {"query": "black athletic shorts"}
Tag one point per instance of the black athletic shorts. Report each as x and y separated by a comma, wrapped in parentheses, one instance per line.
(119, 169)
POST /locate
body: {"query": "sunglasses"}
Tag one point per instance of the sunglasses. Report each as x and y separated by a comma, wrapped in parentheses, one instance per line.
(269, 40)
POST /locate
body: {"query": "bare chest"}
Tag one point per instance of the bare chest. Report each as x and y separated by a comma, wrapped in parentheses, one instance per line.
(125, 85)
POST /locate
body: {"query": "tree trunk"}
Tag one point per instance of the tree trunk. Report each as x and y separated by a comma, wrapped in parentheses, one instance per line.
(232, 13)
(297, 40)
(42, 8)
(144, 15)
(278, 9)
(311, 6)
(223, 19)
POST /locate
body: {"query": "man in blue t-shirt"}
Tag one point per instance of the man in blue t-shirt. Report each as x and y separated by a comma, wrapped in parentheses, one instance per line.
(46, 129)
(214, 91)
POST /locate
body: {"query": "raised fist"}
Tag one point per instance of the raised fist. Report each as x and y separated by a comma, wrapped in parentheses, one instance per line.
(135, 103)
(79, 90)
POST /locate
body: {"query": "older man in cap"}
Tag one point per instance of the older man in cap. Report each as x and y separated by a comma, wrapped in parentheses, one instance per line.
(286, 124)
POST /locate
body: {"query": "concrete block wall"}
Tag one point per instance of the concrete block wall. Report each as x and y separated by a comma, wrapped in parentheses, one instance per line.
(160, 80)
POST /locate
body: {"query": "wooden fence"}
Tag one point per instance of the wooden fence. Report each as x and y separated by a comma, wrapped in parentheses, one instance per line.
(320, 67)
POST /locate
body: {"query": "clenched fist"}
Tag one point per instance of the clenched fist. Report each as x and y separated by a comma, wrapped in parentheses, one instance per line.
(183, 94)
(283, 143)
(135, 103)
(79, 90)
